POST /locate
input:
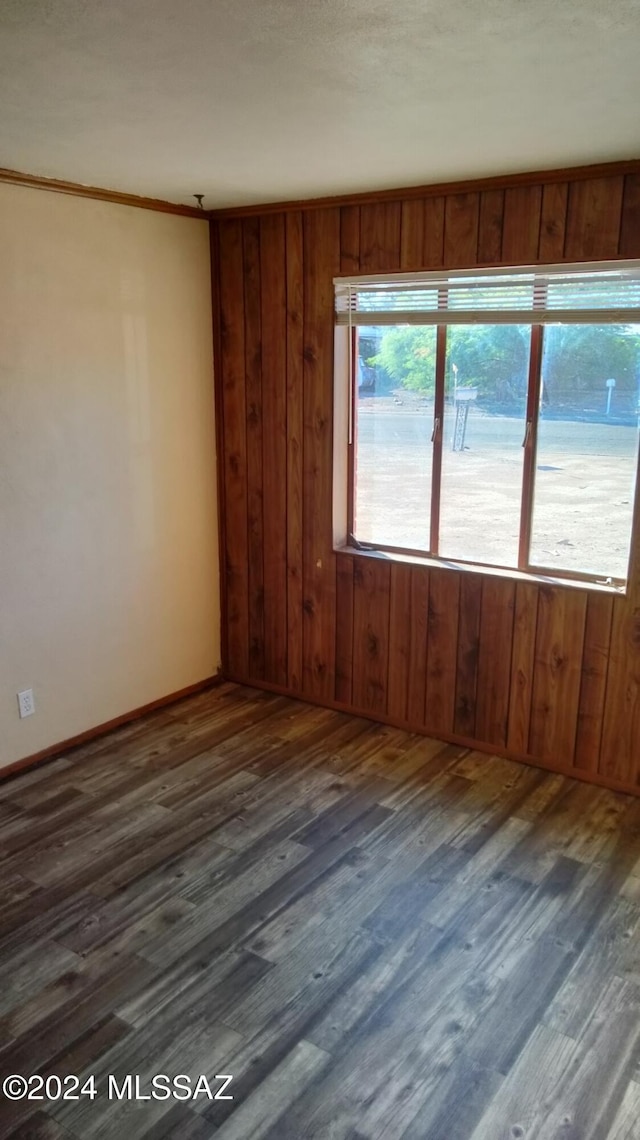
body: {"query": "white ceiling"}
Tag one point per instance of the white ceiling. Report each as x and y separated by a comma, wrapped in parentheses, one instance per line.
(261, 100)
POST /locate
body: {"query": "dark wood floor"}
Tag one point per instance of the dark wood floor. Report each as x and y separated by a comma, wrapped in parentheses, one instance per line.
(376, 934)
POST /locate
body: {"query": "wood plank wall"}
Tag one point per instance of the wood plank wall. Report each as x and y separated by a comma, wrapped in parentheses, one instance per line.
(535, 671)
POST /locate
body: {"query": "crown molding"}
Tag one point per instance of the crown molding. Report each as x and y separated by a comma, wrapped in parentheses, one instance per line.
(431, 190)
(35, 182)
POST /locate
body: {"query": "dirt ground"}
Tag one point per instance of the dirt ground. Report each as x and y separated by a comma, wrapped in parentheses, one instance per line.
(585, 475)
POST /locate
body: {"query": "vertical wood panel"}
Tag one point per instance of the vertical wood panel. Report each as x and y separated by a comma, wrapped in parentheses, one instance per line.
(461, 229)
(344, 628)
(399, 639)
(447, 650)
(597, 640)
(553, 222)
(521, 232)
(633, 574)
(620, 752)
(522, 666)
(494, 660)
(490, 226)
(350, 239)
(274, 470)
(630, 223)
(442, 642)
(593, 218)
(214, 247)
(379, 237)
(418, 645)
(557, 669)
(371, 600)
(412, 234)
(467, 658)
(295, 431)
(321, 231)
(234, 457)
(253, 371)
(433, 251)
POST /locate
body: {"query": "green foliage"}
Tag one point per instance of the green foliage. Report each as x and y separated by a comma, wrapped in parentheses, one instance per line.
(579, 358)
(491, 358)
(408, 355)
(495, 360)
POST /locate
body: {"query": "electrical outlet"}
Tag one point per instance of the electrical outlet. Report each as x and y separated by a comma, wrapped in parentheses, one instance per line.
(26, 703)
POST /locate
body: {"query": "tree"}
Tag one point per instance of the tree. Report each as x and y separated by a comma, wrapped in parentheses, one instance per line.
(578, 359)
(490, 358)
(408, 355)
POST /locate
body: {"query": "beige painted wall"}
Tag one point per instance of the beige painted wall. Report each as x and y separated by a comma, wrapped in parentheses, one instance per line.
(109, 594)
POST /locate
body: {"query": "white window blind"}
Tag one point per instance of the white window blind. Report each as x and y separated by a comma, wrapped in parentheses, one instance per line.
(602, 294)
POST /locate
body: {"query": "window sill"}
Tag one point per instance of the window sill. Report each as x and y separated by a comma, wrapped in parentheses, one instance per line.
(538, 578)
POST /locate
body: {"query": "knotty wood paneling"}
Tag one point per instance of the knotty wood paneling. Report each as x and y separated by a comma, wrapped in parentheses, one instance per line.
(274, 452)
(371, 601)
(490, 226)
(545, 673)
(433, 233)
(321, 263)
(494, 666)
(442, 647)
(344, 630)
(380, 237)
(255, 474)
(418, 643)
(399, 639)
(619, 755)
(595, 659)
(522, 659)
(630, 224)
(521, 227)
(553, 222)
(295, 438)
(461, 216)
(557, 671)
(593, 218)
(350, 239)
(412, 233)
(467, 660)
(233, 476)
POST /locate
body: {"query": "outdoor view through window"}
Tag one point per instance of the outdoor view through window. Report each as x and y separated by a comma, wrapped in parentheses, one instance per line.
(495, 419)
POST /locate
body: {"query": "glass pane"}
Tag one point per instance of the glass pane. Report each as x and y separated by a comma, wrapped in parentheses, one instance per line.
(487, 371)
(587, 449)
(394, 422)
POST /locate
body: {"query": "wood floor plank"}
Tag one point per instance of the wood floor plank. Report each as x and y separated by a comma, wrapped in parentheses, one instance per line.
(603, 956)
(520, 1005)
(59, 1031)
(581, 1097)
(41, 1127)
(193, 1050)
(380, 936)
(179, 1123)
(625, 1125)
(273, 1097)
(517, 1105)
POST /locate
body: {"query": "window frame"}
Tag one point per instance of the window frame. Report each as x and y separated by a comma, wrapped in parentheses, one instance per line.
(344, 511)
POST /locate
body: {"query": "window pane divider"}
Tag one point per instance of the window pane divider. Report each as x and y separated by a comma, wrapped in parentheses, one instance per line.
(352, 430)
(530, 445)
(438, 417)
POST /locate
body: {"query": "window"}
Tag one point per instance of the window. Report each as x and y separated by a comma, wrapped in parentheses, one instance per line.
(494, 416)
